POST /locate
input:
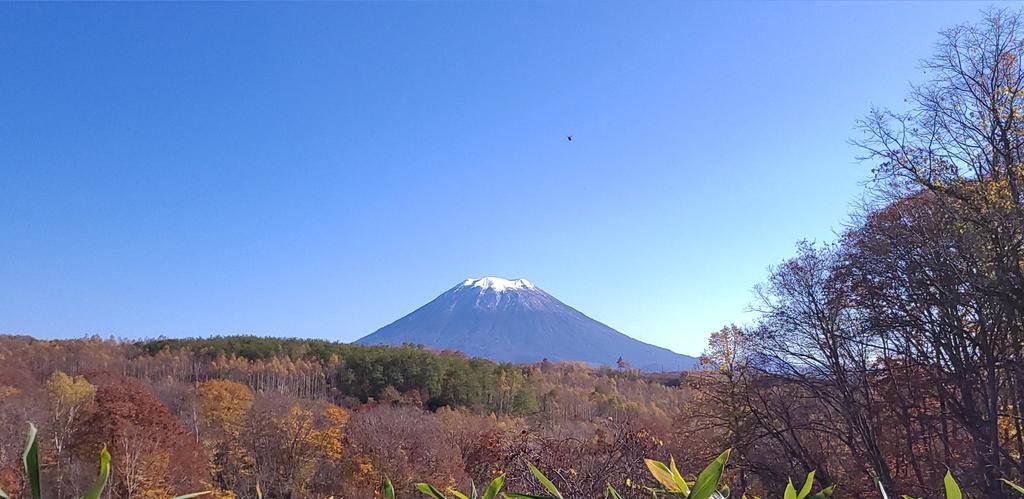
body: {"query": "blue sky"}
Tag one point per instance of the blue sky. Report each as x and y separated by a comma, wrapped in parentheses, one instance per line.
(319, 170)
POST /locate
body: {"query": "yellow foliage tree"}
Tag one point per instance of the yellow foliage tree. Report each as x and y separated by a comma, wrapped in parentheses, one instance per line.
(310, 439)
(223, 405)
(67, 397)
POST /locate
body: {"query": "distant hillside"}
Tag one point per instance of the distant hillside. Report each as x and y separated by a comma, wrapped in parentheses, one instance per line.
(515, 321)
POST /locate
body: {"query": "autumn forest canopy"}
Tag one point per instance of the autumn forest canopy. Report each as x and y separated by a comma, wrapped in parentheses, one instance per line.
(892, 354)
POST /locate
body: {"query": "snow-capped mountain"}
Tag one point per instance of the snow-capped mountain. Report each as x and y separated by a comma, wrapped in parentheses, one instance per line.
(515, 321)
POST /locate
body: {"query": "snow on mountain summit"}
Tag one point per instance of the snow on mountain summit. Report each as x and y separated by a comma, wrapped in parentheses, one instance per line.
(511, 320)
(498, 284)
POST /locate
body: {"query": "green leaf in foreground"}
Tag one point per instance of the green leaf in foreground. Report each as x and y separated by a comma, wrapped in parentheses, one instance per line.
(806, 489)
(824, 493)
(790, 492)
(494, 488)
(680, 482)
(31, 460)
(611, 493)
(429, 490)
(387, 491)
(952, 489)
(707, 481)
(544, 481)
(96, 490)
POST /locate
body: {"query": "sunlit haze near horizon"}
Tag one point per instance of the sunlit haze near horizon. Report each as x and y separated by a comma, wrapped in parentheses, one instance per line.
(320, 170)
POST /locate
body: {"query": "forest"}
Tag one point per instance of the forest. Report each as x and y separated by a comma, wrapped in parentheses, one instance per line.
(890, 356)
(305, 418)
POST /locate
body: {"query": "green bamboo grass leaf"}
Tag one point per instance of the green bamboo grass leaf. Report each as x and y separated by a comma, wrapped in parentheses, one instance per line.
(790, 492)
(429, 490)
(494, 488)
(3, 495)
(611, 493)
(30, 458)
(707, 481)
(387, 491)
(1013, 485)
(806, 489)
(952, 489)
(96, 490)
(723, 493)
(544, 481)
(459, 495)
(194, 494)
(824, 493)
(681, 485)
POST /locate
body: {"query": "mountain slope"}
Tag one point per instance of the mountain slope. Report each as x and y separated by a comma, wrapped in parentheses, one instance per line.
(515, 321)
